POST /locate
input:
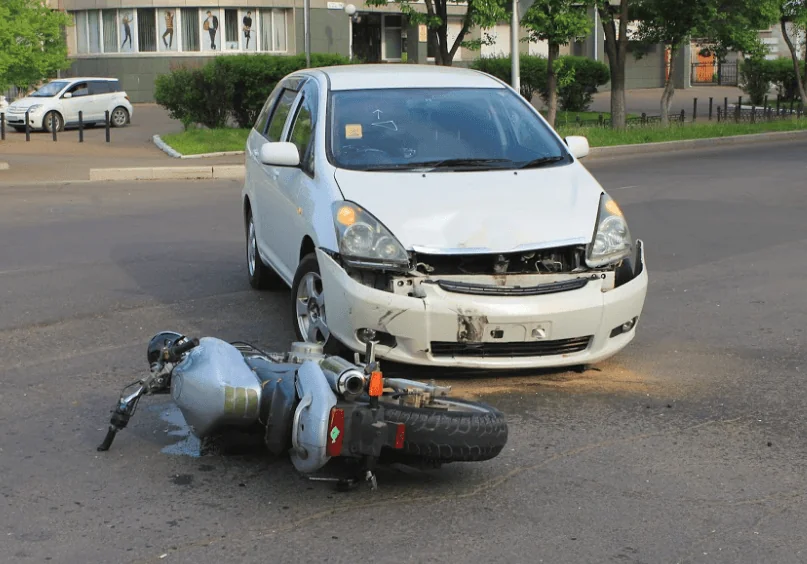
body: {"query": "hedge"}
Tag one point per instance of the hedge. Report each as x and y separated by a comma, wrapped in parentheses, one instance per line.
(229, 87)
(757, 75)
(579, 77)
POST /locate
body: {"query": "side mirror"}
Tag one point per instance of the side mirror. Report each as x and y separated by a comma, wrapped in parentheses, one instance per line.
(68, 95)
(280, 154)
(578, 146)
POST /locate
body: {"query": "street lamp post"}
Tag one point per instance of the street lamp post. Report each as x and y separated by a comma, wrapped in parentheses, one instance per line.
(350, 10)
(515, 68)
(307, 31)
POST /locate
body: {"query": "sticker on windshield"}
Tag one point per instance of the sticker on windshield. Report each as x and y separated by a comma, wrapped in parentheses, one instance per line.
(353, 131)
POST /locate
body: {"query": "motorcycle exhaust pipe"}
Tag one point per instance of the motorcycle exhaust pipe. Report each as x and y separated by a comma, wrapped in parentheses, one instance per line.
(344, 377)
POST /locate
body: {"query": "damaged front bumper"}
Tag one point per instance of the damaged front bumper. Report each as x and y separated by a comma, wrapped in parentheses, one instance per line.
(454, 321)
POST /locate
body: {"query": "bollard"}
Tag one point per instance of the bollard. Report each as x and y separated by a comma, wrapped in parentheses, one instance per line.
(718, 114)
(81, 127)
(726, 107)
(694, 110)
(27, 126)
(711, 100)
(2, 127)
(600, 120)
(739, 108)
(106, 123)
(765, 102)
(644, 118)
(53, 127)
(753, 113)
(683, 116)
(578, 121)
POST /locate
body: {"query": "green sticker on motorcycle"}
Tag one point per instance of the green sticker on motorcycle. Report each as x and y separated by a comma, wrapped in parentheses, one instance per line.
(334, 434)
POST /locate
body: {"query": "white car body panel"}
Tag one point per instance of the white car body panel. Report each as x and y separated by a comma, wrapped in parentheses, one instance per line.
(443, 212)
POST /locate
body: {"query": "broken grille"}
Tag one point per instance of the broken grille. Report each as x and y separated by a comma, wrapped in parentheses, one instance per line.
(532, 348)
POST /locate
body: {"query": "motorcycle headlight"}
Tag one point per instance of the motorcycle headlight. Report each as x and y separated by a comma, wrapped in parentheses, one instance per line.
(364, 241)
(612, 241)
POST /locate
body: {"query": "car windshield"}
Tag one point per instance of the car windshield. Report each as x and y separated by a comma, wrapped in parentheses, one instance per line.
(49, 90)
(438, 129)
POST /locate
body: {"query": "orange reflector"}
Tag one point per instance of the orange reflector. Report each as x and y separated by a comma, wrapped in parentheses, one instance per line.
(400, 434)
(336, 431)
(346, 215)
(613, 207)
(376, 384)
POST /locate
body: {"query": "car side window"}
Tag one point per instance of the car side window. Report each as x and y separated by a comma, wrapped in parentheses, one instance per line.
(263, 118)
(281, 113)
(79, 89)
(302, 133)
(99, 87)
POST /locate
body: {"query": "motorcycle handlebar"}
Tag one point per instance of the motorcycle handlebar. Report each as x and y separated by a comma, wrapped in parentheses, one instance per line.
(176, 351)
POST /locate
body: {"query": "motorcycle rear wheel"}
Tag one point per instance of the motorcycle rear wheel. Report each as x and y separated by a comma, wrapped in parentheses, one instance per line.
(466, 432)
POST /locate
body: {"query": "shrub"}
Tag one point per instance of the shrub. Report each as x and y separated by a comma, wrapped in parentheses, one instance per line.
(783, 76)
(755, 79)
(587, 75)
(233, 86)
(578, 77)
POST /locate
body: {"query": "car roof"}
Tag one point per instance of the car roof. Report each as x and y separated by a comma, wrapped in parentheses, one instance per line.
(83, 78)
(371, 76)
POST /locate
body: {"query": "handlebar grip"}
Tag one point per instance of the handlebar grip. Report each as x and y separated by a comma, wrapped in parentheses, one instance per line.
(110, 436)
(177, 350)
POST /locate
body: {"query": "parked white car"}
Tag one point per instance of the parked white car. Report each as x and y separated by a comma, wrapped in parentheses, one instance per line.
(434, 210)
(58, 103)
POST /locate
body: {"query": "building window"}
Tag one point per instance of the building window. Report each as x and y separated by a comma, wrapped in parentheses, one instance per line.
(391, 46)
(147, 30)
(190, 29)
(127, 30)
(81, 32)
(94, 31)
(273, 30)
(231, 29)
(110, 19)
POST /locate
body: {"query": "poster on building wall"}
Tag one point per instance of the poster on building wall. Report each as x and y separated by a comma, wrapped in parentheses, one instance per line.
(167, 24)
(128, 31)
(249, 29)
(211, 32)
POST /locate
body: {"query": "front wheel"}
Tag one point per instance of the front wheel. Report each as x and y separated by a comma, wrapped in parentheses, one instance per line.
(308, 307)
(456, 431)
(53, 120)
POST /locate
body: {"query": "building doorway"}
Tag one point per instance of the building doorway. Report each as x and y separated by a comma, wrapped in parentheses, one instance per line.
(367, 38)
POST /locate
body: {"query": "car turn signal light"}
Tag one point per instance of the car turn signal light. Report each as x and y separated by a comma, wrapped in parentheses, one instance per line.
(346, 215)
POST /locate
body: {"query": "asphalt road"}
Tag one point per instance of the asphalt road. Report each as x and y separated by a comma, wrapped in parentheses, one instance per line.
(687, 447)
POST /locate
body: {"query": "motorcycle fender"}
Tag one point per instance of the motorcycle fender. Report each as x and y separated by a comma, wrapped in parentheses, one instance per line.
(310, 426)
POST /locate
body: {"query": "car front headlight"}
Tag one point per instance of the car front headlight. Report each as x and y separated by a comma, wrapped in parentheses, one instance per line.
(612, 241)
(35, 108)
(364, 241)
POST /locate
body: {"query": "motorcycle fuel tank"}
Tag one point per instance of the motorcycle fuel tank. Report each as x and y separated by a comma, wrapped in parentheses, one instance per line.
(215, 388)
(309, 436)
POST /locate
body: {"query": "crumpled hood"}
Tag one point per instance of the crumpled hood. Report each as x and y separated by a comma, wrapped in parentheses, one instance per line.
(486, 211)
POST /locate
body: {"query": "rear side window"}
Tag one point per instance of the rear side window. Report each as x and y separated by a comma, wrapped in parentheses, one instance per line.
(100, 87)
(280, 115)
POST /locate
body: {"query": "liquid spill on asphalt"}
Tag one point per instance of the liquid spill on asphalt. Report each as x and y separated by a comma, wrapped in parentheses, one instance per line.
(188, 445)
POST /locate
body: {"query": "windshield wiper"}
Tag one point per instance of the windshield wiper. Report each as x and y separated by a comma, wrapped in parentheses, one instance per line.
(443, 163)
(541, 161)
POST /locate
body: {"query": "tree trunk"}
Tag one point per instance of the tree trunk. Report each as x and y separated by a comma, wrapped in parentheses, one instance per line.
(669, 89)
(795, 58)
(616, 52)
(552, 82)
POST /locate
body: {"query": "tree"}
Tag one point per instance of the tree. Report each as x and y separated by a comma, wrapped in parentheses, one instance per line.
(32, 42)
(614, 16)
(670, 22)
(484, 13)
(557, 22)
(794, 12)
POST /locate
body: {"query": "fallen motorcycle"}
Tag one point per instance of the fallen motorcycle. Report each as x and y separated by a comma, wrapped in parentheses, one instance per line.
(313, 406)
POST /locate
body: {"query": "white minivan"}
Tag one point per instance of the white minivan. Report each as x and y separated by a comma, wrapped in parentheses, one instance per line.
(58, 103)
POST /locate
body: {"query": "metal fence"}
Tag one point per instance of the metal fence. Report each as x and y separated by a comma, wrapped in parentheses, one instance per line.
(721, 74)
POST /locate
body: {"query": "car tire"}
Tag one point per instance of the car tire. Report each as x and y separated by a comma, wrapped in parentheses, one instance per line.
(119, 117)
(307, 302)
(50, 118)
(261, 276)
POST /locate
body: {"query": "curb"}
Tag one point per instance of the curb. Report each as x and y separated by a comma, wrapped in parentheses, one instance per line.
(166, 148)
(209, 172)
(710, 142)
(4, 166)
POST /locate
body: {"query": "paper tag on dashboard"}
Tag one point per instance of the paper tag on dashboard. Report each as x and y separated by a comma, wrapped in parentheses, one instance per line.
(353, 131)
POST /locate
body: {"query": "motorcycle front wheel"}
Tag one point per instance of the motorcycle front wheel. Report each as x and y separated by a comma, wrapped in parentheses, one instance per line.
(456, 431)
